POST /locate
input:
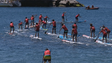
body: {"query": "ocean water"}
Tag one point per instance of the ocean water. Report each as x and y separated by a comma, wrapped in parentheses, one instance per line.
(20, 48)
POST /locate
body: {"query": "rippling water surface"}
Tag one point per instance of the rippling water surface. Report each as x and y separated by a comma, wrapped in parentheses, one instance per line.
(20, 48)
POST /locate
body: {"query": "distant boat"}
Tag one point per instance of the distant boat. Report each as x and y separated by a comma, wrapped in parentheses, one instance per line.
(95, 8)
(5, 3)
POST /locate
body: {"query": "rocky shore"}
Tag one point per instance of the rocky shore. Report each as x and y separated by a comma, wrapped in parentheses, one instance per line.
(51, 3)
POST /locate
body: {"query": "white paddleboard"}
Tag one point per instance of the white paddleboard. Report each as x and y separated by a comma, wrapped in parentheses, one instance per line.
(67, 41)
(51, 33)
(97, 41)
(33, 37)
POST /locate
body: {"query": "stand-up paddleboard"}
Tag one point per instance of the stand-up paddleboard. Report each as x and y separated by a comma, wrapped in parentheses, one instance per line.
(80, 21)
(67, 41)
(97, 41)
(33, 37)
(102, 38)
(48, 33)
(12, 33)
(61, 37)
(19, 30)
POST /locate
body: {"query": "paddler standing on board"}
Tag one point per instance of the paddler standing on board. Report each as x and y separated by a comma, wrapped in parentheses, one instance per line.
(74, 33)
(47, 56)
(32, 20)
(44, 24)
(20, 25)
(11, 27)
(65, 30)
(54, 26)
(76, 17)
(104, 34)
(45, 18)
(37, 27)
(107, 30)
(40, 17)
(26, 22)
(75, 25)
(92, 30)
(63, 19)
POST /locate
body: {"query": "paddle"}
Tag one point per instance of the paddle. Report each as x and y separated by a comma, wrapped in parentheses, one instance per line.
(97, 37)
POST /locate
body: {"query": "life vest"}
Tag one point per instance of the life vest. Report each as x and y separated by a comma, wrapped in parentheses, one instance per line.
(40, 17)
(74, 30)
(37, 27)
(106, 29)
(20, 23)
(64, 27)
(92, 27)
(46, 17)
(63, 14)
(104, 32)
(11, 25)
(54, 23)
(43, 22)
(26, 20)
(77, 16)
(47, 52)
(32, 18)
(75, 25)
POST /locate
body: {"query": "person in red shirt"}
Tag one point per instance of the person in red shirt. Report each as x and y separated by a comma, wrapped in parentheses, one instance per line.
(74, 33)
(26, 22)
(45, 18)
(63, 19)
(75, 25)
(65, 30)
(40, 17)
(32, 19)
(37, 27)
(107, 30)
(92, 30)
(54, 26)
(44, 24)
(47, 56)
(76, 17)
(104, 34)
(20, 25)
(11, 27)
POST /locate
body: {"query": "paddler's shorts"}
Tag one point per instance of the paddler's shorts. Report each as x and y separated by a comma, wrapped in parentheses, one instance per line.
(93, 31)
(104, 36)
(12, 27)
(108, 31)
(65, 31)
(74, 35)
(62, 17)
(47, 57)
(45, 19)
(20, 25)
(37, 31)
(27, 23)
(76, 18)
(32, 21)
(54, 27)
